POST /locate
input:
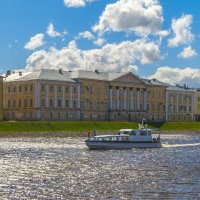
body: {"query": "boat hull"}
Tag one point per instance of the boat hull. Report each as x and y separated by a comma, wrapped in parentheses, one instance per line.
(121, 145)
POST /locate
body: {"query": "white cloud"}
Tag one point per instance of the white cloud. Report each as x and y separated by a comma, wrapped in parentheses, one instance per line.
(182, 34)
(189, 76)
(35, 42)
(100, 41)
(187, 52)
(51, 32)
(139, 16)
(111, 57)
(85, 35)
(77, 3)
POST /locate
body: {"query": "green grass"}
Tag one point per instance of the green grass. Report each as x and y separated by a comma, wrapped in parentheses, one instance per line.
(41, 126)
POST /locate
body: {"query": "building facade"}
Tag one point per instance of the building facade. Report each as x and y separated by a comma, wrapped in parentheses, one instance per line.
(197, 105)
(1, 98)
(87, 95)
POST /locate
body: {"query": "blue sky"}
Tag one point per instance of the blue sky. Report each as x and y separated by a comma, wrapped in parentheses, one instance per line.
(151, 38)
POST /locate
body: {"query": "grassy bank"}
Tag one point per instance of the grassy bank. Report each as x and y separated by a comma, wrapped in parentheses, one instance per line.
(41, 126)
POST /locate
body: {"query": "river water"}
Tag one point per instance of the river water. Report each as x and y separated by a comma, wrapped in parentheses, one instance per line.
(63, 168)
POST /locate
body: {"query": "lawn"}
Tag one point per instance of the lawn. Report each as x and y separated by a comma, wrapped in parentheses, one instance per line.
(42, 126)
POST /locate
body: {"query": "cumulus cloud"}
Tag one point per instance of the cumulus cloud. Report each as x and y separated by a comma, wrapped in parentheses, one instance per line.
(111, 57)
(100, 41)
(189, 76)
(139, 16)
(182, 31)
(187, 52)
(77, 3)
(85, 35)
(51, 31)
(35, 42)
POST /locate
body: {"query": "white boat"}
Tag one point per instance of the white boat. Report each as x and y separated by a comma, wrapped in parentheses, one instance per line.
(125, 139)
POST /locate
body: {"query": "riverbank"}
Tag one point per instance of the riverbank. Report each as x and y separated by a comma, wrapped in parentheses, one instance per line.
(82, 134)
(79, 129)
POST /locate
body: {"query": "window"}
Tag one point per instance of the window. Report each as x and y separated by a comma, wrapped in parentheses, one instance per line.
(74, 89)
(59, 103)
(59, 88)
(66, 89)
(42, 103)
(31, 88)
(14, 103)
(98, 91)
(82, 89)
(20, 88)
(9, 89)
(25, 88)
(143, 133)
(19, 103)
(31, 103)
(59, 115)
(25, 103)
(51, 115)
(74, 103)
(82, 104)
(51, 88)
(42, 88)
(14, 89)
(51, 102)
(67, 115)
(67, 103)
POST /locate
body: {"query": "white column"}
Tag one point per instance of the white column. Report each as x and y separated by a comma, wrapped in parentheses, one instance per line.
(71, 96)
(47, 96)
(182, 103)
(55, 96)
(79, 101)
(131, 99)
(124, 91)
(79, 96)
(39, 95)
(166, 106)
(37, 99)
(145, 99)
(63, 96)
(192, 106)
(138, 99)
(111, 98)
(36, 95)
(117, 98)
(177, 110)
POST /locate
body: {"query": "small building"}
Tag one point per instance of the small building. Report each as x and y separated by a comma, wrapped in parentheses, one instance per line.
(197, 105)
(1, 98)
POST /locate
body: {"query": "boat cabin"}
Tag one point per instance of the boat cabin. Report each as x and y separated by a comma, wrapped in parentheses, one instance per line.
(127, 135)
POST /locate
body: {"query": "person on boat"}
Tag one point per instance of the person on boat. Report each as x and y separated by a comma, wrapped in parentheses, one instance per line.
(88, 134)
(94, 133)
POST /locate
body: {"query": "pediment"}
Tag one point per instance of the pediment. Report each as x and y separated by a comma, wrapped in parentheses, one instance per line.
(128, 78)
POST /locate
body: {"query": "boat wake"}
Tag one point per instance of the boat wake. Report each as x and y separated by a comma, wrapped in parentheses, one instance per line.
(180, 145)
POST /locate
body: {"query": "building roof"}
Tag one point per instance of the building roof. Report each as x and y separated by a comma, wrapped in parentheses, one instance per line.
(179, 88)
(43, 74)
(68, 76)
(95, 75)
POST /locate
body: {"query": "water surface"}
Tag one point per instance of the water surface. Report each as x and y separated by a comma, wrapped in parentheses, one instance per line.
(64, 168)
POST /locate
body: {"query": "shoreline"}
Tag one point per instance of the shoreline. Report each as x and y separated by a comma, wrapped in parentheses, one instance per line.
(83, 133)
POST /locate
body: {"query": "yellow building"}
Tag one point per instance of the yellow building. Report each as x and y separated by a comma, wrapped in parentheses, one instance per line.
(197, 105)
(1, 98)
(179, 104)
(92, 95)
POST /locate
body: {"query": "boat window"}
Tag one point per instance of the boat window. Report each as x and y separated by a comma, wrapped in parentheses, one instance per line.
(126, 132)
(133, 133)
(143, 133)
(149, 133)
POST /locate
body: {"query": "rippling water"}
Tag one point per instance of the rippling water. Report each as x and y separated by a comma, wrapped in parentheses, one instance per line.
(63, 168)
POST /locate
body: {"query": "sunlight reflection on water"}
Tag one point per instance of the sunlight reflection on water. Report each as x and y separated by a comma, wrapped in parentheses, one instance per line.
(63, 168)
